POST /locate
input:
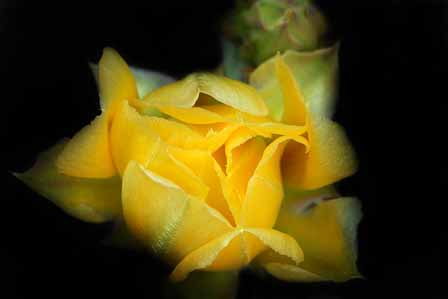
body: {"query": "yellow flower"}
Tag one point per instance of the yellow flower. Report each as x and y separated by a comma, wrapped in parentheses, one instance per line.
(198, 168)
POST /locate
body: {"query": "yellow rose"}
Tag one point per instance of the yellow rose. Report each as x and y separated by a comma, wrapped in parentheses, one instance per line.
(198, 169)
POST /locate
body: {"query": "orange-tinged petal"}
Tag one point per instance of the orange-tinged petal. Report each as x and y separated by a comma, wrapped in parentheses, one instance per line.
(91, 200)
(88, 154)
(116, 81)
(326, 231)
(295, 111)
(165, 217)
(330, 158)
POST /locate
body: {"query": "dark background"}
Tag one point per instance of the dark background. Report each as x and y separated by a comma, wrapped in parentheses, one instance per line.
(393, 104)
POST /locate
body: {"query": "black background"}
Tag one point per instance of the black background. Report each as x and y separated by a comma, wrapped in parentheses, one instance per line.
(392, 104)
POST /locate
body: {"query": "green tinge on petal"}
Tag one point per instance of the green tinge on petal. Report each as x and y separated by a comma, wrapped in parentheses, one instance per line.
(326, 231)
(165, 217)
(185, 93)
(90, 200)
(316, 73)
(146, 80)
(116, 81)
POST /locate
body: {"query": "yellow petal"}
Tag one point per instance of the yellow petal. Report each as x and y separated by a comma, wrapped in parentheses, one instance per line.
(330, 159)
(238, 137)
(273, 128)
(146, 80)
(230, 196)
(166, 165)
(295, 111)
(265, 190)
(175, 133)
(87, 154)
(131, 138)
(163, 216)
(192, 115)
(245, 160)
(279, 242)
(263, 126)
(206, 168)
(215, 139)
(185, 93)
(91, 200)
(233, 93)
(204, 256)
(116, 81)
(326, 231)
(235, 250)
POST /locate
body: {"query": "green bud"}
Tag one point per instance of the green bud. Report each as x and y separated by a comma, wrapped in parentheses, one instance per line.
(262, 28)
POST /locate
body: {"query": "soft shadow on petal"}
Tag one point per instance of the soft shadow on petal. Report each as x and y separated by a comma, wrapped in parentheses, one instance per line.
(236, 249)
(326, 231)
(330, 158)
(131, 138)
(265, 188)
(294, 109)
(165, 217)
(88, 154)
(185, 93)
(207, 169)
(91, 200)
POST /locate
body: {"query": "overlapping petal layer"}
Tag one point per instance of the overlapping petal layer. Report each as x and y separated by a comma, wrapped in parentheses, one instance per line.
(326, 231)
